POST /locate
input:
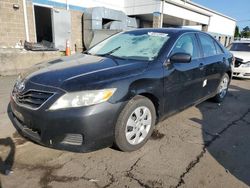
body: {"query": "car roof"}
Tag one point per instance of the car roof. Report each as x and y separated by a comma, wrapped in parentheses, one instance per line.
(166, 30)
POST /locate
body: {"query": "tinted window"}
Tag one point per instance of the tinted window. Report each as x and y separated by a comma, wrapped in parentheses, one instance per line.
(208, 45)
(240, 47)
(187, 44)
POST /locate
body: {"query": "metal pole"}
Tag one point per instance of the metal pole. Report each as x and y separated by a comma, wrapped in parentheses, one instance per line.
(67, 4)
(26, 21)
(162, 12)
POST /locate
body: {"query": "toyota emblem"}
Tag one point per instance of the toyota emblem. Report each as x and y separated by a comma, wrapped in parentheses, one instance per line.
(20, 86)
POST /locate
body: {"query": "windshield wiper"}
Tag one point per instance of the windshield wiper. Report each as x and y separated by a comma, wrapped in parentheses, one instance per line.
(87, 52)
(110, 52)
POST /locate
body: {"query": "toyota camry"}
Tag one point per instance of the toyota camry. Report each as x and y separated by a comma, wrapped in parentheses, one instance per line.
(118, 90)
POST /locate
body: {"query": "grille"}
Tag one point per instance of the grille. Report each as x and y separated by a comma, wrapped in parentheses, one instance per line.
(33, 99)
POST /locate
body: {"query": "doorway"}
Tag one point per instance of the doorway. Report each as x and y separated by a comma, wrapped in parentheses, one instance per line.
(43, 23)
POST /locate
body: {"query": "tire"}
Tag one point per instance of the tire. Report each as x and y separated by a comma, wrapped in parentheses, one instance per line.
(222, 89)
(135, 124)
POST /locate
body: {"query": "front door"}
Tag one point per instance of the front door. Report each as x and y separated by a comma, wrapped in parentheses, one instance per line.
(183, 82)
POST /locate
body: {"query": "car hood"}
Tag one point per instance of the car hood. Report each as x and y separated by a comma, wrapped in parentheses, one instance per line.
(245, 56)
(82, 71)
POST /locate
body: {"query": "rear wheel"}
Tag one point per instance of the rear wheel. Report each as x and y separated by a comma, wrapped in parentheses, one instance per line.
(222, 89)
(135, 124)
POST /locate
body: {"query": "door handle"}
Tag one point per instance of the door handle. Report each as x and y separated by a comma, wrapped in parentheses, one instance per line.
(201, 66)
(166, 63)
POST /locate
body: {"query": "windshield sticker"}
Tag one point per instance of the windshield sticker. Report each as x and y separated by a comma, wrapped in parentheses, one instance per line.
(157, 34)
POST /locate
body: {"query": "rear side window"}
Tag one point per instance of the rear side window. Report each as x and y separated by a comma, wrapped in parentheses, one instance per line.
(218, 48)
(187, 44)
(208, 46)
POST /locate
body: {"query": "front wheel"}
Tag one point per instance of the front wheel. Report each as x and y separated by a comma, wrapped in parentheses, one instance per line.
(135, 124)
(222, 89)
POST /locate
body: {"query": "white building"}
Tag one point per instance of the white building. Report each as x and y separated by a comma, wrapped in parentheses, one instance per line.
(78, 20)
(184, 13)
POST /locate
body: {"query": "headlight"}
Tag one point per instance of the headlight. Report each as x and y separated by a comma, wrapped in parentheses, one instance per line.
(245, 65)
(82, 98)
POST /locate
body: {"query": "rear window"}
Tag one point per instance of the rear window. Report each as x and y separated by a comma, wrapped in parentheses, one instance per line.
(239, 47)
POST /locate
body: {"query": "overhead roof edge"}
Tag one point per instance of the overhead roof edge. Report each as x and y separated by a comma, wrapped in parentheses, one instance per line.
(210, 10)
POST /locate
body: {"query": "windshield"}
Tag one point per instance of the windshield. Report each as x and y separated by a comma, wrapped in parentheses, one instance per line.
(128, 45)
(240, 47)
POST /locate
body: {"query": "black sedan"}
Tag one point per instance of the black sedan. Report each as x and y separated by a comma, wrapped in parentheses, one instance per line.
(114, 93)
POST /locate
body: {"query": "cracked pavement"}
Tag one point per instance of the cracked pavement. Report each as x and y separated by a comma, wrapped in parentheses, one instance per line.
(203, 146)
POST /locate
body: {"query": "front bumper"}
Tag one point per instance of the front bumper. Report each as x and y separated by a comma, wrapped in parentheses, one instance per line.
(77, 129)
(240, 72)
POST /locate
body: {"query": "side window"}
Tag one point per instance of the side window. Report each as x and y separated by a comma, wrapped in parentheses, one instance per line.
(187, 44)
(208, 45)
(218, 48)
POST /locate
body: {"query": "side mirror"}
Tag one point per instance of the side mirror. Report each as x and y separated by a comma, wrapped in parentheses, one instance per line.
(180, 58)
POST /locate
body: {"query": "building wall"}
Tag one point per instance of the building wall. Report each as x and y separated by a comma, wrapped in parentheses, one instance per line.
(219, 25)
(76, 31)
(113, 4)
(211, 21)
(15, 61)
(31, 21)
(82, 4)
(175, 8)
(11, 30)
(137, 7)
(222, 25)
(185, 14)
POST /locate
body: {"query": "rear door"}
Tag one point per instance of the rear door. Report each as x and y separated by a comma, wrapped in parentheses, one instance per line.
(183, 81)
(214, 60)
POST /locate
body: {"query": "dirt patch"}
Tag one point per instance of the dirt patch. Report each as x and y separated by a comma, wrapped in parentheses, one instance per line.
(18, 139)
(156, 135)
(49, 177)
(16, 135)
